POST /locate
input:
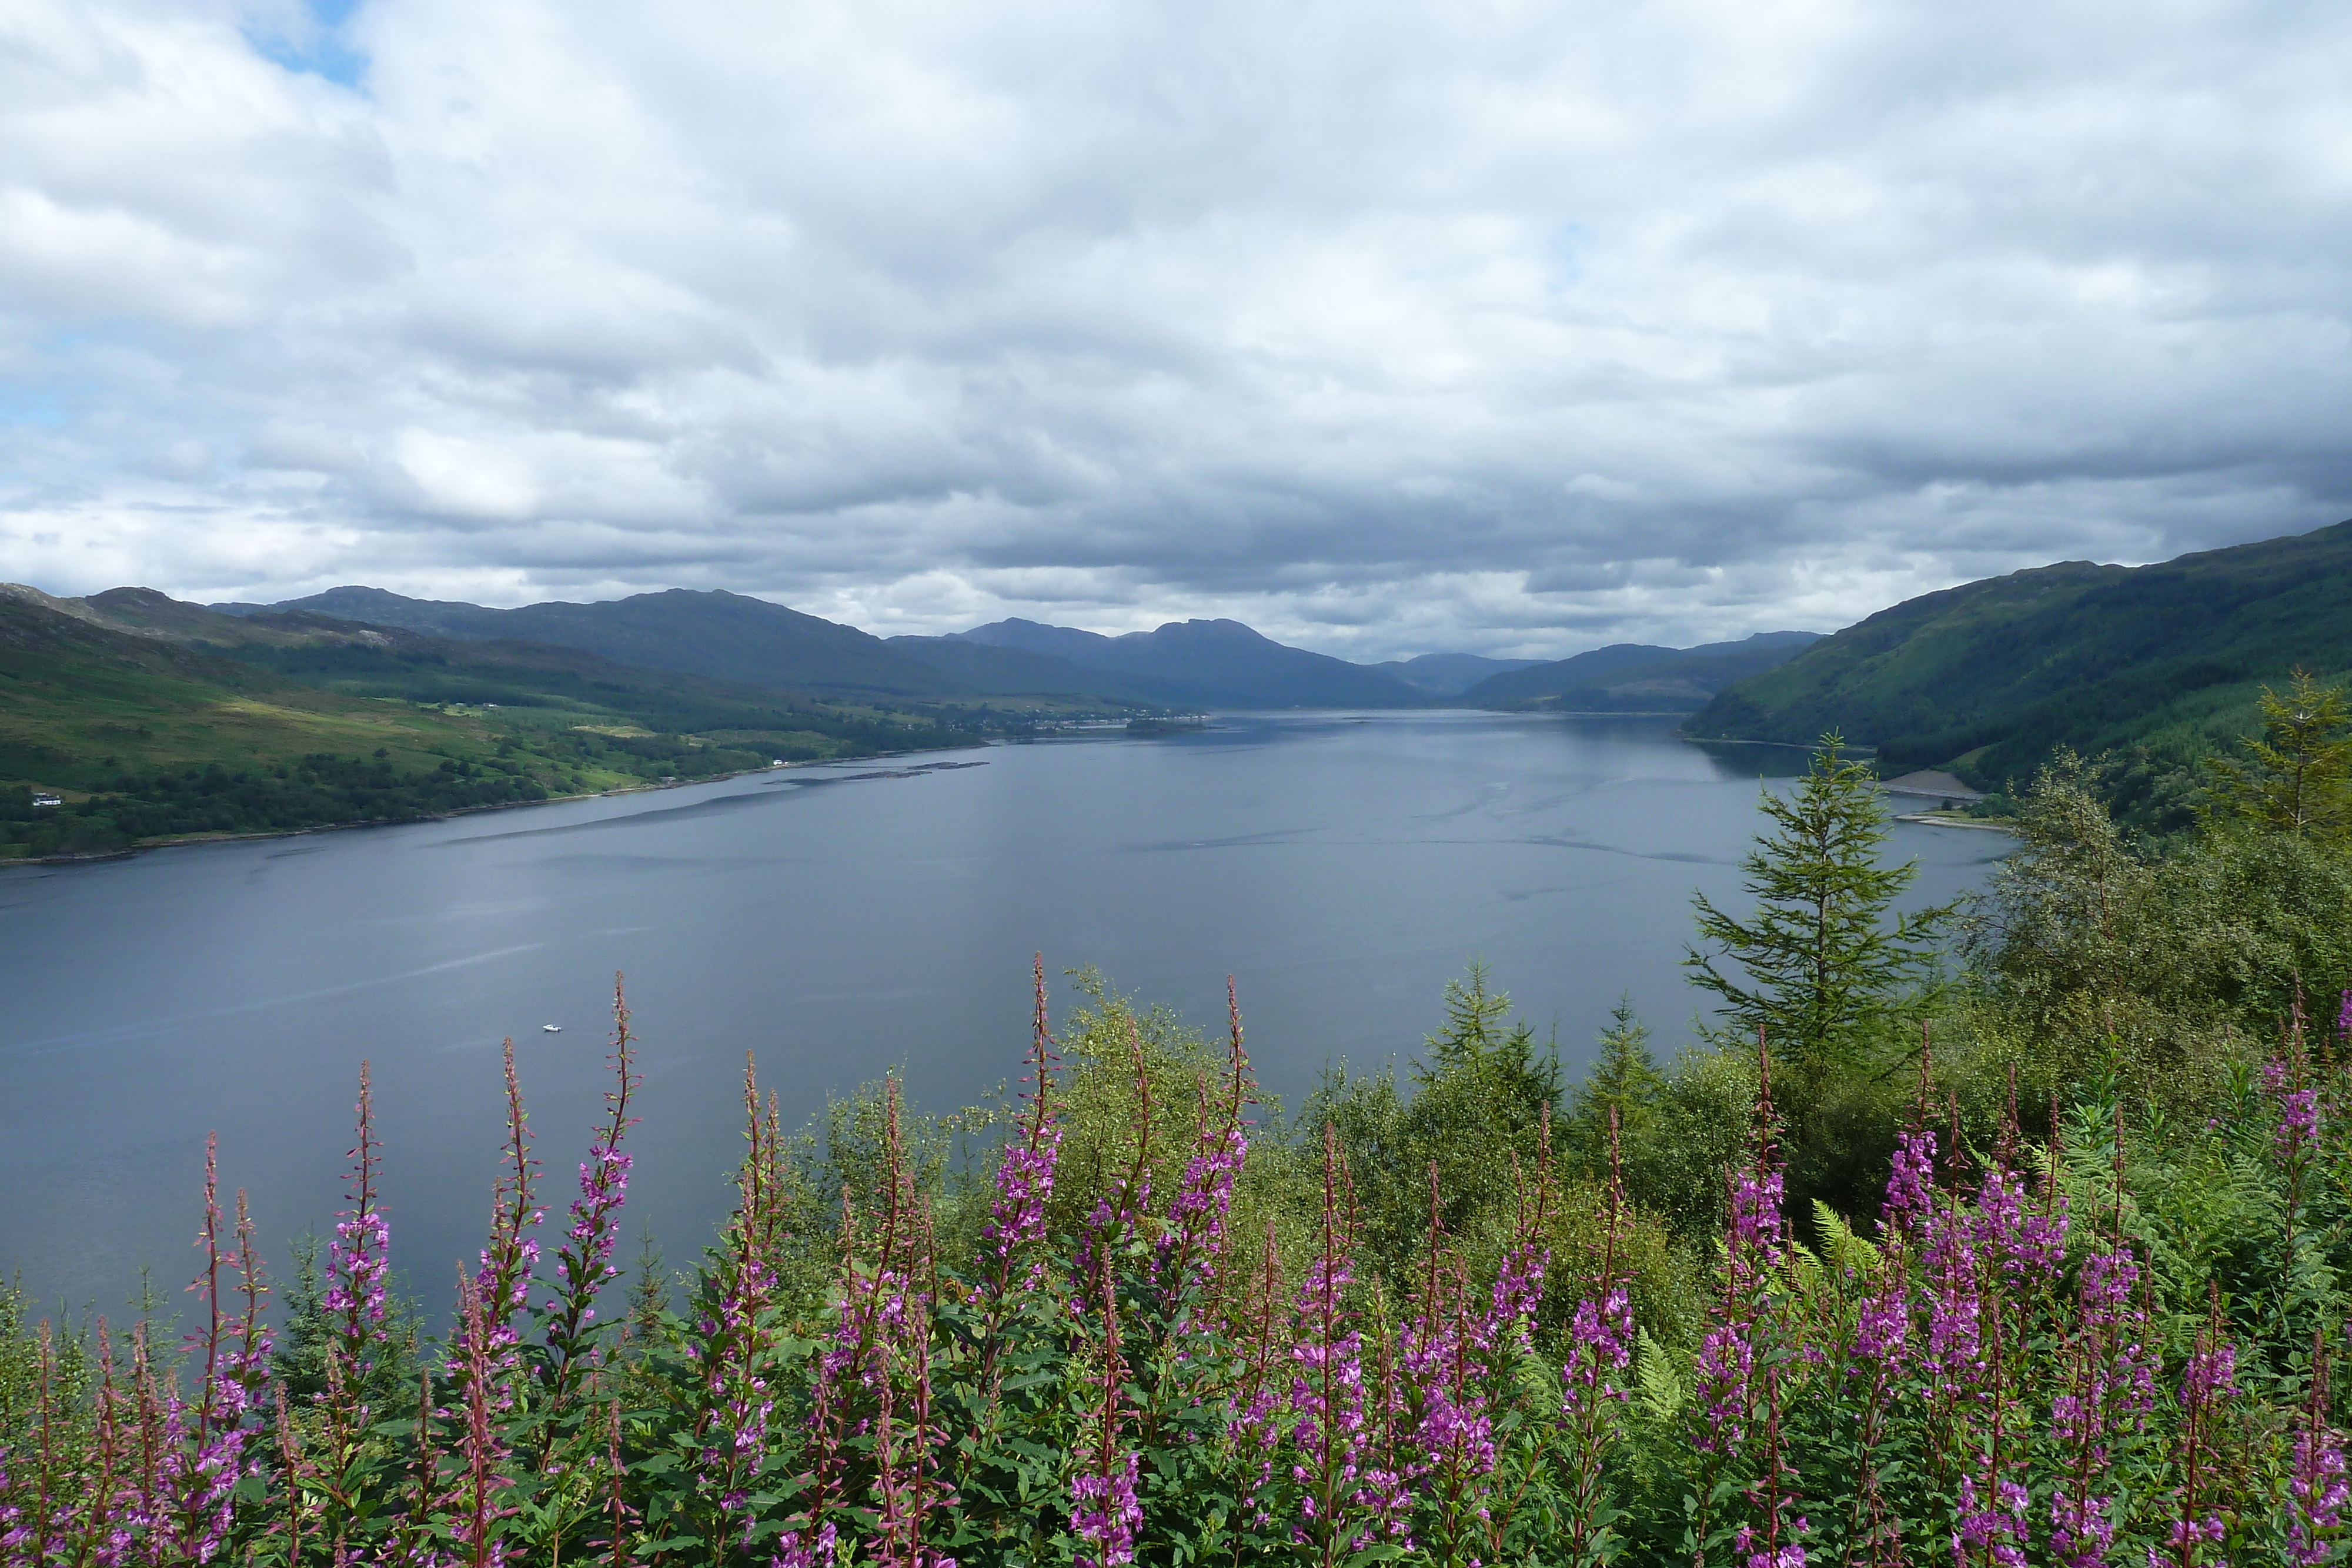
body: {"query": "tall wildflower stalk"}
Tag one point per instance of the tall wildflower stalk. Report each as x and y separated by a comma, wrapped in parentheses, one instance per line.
(1738, 1371)
(1884, 1347)
(478, 1507)
(1012, 1266)
(2107, 1389)
(1342, 1508)
(1445, 1349)
(357, 1270)
(733, 1340)
(2317, 1488)
(1104, 1511)
(511, 1258)
(2207, 1380)
(2294, 1141)
(230, 1351)
(584, 1262)
(1600, 1343)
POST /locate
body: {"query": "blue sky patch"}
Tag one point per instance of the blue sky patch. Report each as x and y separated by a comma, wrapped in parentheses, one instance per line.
(322, 51)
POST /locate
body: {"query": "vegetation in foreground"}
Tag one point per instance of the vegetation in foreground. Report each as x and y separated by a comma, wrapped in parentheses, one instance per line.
(2067, 1289)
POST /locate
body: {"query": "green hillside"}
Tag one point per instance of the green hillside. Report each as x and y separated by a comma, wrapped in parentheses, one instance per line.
(152, 719)
(1985, 679)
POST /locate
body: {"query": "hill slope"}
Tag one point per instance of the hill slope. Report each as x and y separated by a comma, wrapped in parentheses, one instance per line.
(1210, 663)
(1634, 677)
(720, 635)
(1448, 675)
(154, 719)
(144, 737)
(1987, 678)
(991, 670)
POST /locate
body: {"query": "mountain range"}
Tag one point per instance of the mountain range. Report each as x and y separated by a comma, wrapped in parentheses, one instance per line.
(1181, 664)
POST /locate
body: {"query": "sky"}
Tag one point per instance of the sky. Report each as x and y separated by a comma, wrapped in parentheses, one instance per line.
(1387, 327)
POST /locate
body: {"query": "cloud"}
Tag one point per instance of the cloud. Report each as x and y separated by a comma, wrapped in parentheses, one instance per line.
(1386, 326)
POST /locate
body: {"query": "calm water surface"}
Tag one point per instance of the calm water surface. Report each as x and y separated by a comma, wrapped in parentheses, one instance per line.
(839, 920)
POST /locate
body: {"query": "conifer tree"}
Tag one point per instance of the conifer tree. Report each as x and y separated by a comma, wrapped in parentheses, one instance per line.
(1821, 964)
(2299, 777)
(1624, 1078)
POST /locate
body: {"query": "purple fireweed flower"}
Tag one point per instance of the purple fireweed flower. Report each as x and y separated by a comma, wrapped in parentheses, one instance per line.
(1016, 1216)
(2028, 1248)
(2081, 1529)
(2211, 1375)
(1910, 1188)
(356, 1263)
(795, 1551)
(1993, 1526)
(585, 1262)
(1725, 1368)
(1105, 1514)
(1727, 1357)
(1254, 1434)
(1756, 1227)
(2207, 1378)
(1335, 1467)
(359, 1259)
(200, 1479)
(2320, 1494)
(1601, 1337)
(1327, 1391)
(1753, 1554)
(2298, 1123)
(2188, 1537)
(1950, 1349)
(203, 1461)
(604, 1188)
(1195, 1232)
(728, 1356)
(472, 1502)
(1518, 1294)
(511, 1258)
(1454, 1433)
(14, 1531)
(2110, 1385)
(1883, 1328)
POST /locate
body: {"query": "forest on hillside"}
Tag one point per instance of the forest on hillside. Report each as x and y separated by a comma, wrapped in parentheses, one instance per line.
(2013, 1232)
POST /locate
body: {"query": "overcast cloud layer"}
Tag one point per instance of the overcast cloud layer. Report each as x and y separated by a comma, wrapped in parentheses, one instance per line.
(1386, 326)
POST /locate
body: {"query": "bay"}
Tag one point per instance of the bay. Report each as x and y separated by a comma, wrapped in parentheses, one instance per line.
(840, 922)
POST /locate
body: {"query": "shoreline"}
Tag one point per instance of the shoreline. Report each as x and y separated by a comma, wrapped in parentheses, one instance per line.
(1932, 819)
(182, 840)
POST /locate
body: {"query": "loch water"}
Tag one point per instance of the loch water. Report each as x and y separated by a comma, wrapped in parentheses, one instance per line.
(840, 921)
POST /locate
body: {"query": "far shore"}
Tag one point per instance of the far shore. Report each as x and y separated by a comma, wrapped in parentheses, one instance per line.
(1938, 819)
(180, 839)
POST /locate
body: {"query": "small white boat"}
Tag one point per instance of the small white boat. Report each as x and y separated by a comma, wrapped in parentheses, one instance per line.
(551, 1029)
